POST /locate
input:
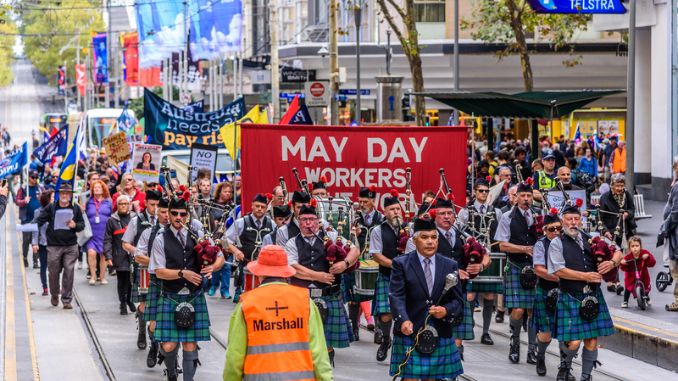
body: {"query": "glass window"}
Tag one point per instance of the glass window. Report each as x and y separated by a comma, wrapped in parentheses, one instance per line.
(429, 10)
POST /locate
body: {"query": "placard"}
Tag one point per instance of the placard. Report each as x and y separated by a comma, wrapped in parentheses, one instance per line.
(203, 157)
(146, 162)
(117, 148)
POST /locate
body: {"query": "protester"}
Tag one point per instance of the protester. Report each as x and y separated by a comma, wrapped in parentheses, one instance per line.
(129, 187)
(39, 240)
(98, 212)
(27, 199)
(116, 256)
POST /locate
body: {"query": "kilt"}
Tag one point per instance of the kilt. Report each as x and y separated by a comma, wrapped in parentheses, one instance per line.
(136, 297)
(570, 326)
(338, 332)
(541, 319)
(464, 331)
(445, 362)
(486, 287)
(152, 299)
(381, 305)
(165, 328)
(515, 295)
(347, 284)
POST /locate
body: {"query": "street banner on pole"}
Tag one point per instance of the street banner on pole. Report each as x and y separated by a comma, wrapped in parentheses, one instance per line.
(146, 162)
(13, 163)
(100, 58)
(353, 157)
(203, 157)
(81, 78)
(577, 6)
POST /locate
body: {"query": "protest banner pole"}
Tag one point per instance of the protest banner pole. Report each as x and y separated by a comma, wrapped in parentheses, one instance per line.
(235, 156)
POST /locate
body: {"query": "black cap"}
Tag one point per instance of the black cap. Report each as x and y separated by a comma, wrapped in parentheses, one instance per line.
(260, 198)
(164, 202)
(281, 211)
(153, 194)
(549, 156)
(34, 173)
(571, 209)
(300, 197)
(524, 187)
(423, 208)
(367, 192)
(423, 224)
(307, 209)
(551, 218)
(443, 203)
(388, 201)
(319, 185)
(178, 203)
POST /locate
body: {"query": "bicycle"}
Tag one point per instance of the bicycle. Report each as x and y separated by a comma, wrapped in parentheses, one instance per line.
(639, 292)
(663, 280)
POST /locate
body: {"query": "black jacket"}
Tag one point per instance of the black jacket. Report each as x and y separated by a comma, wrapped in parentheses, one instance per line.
(609, 204)
(115, 228)
(61, 237)
(3, 205)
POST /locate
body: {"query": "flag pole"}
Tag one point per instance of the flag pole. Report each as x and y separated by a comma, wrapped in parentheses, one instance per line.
(235, 157)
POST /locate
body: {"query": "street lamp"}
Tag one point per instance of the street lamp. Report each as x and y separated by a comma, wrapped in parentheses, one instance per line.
(357, 10)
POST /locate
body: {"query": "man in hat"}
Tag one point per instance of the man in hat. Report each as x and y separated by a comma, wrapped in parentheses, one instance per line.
(516, 234)
(418, 281)
(546, 178)
(280, 322)
(176, 264)
(480, 220)
(384, 247)
(319, 189)
(291, 229)
(62, 243)
(28, 201)
(571, 260)
(306, 252)
(245, 237)
(280, 216)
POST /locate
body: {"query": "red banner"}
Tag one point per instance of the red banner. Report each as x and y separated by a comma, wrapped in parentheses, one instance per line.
(130, 43)
(353, 157)
(81, 78)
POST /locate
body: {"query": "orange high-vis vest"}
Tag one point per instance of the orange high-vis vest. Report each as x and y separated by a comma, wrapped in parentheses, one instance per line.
(277, 318)
(619, 160)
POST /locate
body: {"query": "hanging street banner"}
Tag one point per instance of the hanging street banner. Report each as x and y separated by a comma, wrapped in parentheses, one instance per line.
(174, 128)
(577, 6)
(354, 157)
(13, 163)
(100, 58)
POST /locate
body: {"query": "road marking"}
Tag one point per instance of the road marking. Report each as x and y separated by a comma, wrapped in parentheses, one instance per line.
(10, 336)
(627, 326)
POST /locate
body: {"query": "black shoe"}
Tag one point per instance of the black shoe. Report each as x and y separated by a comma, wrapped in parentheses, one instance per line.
(378, 336)
(586, 378)
(382, 352)
(563, 372)
(331, 354)
(499, 317)
(620, 289)
(171, 377)
(123, 309)
(35, 265)
(486, 339)
(541, 365)
(570, 376)
(356, 334)
(152, 357)
(532, 356)
(514, 351)
(370, 327)
(611, 287)
(131, 307)
(25, 262)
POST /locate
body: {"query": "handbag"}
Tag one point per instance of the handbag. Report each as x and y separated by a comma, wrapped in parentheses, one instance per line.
(86, 233)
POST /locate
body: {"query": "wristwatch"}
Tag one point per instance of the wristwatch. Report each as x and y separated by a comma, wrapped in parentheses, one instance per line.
(181, 274)
(348, 264)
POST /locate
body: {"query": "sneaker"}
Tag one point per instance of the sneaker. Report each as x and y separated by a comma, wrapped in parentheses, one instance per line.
(92, 282)
(54, 300)
(211, 292)
(35, 265)
(625, 305)
(68, 306)
(104, 281)
(45, 291)
(79, 265)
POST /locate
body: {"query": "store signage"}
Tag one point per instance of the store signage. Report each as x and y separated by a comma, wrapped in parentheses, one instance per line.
(297, 76)
(577, 6)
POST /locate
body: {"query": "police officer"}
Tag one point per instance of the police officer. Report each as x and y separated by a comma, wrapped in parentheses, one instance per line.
(570, 258)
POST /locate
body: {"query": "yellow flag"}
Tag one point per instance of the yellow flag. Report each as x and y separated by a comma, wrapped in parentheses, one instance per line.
(230, 133)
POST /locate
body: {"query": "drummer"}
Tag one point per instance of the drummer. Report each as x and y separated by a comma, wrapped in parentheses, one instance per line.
(384, 247)
(480, 219)
(281, 214)
(319, 189)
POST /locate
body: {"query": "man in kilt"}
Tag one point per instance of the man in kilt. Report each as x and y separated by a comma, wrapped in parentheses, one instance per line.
(130, 241)
(182, 315)
(480, 219)
(512, 201)
(307, 254)
(384, 247)
(417, 283)
(281, 214)
(517, 235)
(570, 258)
(142, 257)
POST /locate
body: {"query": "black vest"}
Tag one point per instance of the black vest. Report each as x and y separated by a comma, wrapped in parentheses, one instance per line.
(292, 229)
(522, 235)
(456, 252)
(488, 220)
(389, 245)
(543, 283)
(151, 237)
(251, 237)
(178, 258)
(377, 219)
(142, 224)
(312, 257)
(577, 259)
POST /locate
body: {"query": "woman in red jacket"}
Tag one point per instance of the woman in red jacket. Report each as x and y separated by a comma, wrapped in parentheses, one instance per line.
(644, 260)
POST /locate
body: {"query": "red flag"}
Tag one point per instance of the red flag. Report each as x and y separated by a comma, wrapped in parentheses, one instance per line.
(81, 77)
(130, 43)
(291, 111)
(150, 77)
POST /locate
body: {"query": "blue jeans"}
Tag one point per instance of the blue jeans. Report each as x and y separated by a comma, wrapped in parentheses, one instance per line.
(222, 279)
(42, 251)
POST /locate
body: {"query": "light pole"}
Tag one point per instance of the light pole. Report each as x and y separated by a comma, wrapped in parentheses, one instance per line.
(357, 11)
(334, 63)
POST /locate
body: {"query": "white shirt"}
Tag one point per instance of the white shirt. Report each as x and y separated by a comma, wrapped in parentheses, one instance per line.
(432, 266)
(293, 251)
(158, 259)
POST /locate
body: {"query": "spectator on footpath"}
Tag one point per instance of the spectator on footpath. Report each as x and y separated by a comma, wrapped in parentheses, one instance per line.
(4, 191)
(644, 260)
(28, 200)
(39, 240)
(669, 234)
(618, 159)
(116, 256)
(62, 245)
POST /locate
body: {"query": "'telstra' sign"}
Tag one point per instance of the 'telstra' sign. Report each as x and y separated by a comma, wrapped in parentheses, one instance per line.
(577, 6)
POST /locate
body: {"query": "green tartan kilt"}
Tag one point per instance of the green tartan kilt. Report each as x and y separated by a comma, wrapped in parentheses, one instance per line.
(135, 296)
(464, 331)
(347, 284)
(338, 332)
(381, 305)
(486, 287)
(444, 362)
(152, 299)
(165, 328)
(515, 295)
(541, 319)
(570, 326)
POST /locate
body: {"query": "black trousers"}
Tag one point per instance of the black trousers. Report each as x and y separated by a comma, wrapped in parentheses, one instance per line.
(124, 286)
(26, 244)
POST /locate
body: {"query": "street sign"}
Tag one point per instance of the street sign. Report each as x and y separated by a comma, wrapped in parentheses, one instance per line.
(317, 93)
(354, 92)
(577, 6)
(296, 76)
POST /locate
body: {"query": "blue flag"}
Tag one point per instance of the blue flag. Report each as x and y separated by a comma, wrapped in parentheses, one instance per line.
(68, 167)
(52, 146)
(126, 121)
(13, 163)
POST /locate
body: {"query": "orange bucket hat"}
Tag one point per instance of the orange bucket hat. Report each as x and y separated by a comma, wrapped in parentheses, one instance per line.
(272, 262)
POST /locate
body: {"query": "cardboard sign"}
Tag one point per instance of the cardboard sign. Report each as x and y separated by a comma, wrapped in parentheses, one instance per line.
(117, 148)
(146, 162)
(203, 157)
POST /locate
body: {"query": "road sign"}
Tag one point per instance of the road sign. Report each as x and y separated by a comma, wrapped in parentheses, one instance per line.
(577, 6)
(317, 93)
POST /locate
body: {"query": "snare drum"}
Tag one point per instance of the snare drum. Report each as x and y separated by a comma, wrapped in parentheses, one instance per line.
(495, 272)
(337, 214)
(144, 280)
(251, 280)
(366, 277)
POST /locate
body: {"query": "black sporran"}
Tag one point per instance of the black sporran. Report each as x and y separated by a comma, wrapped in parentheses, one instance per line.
(184, 315)
(426, 340)
(551, 300)
(589, 309)
(528, 278)
(322, 308)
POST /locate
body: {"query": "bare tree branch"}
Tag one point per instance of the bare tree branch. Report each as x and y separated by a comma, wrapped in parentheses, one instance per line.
(391, 22)
(400, 11)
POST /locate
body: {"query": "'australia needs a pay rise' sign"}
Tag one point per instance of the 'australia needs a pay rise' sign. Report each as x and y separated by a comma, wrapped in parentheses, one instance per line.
(577, 6)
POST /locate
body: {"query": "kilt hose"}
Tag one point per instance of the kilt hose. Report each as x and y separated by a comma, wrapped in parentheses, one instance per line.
(338, 332)
(381, 305)
(165, 328)
(464, 331)
(136, 297)
(444, 362)
(570, 326)
(152, 298)
(515, 295)
(541, 319)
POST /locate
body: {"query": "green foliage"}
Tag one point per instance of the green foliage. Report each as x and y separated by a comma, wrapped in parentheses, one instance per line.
(7, 40)
(52, 36)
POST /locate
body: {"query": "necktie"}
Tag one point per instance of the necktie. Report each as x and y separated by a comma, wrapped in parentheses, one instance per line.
(528, 218)
(428, 274)
(482, 209)
(368, 220)
(448, 236)
(258, 223)
(180, 237)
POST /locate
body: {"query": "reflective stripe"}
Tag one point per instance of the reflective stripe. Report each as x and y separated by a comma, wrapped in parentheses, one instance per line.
(283, 376)
(272, 348)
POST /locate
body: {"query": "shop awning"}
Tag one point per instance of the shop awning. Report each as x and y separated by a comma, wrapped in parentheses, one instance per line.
(530, 105)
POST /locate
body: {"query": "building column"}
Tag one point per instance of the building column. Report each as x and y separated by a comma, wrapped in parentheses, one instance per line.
(643, 120)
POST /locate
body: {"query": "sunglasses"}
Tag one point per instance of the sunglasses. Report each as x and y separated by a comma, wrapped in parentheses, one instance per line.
(552, 229)
(175, 213)
(309, 219)
(483, 190)
(34, 177)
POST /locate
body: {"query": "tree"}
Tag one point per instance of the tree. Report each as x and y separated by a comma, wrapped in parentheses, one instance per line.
(7, 40)
(510, 22)
(407, 33)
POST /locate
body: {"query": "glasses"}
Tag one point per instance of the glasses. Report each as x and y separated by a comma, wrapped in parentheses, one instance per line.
(483, 190)
(130, 179)
(123, 203)
(34, 177)
(308, 219)
(175, 213)
(552, 229)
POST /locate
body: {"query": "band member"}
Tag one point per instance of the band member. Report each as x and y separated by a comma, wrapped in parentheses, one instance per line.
(281, 214)
(384, 247)
(291, 229)
(307, 254)
(480, 220)
(182, 315)
(418, 281)
(130, 240)
(319, 189)
(245, 238)
(517, 235)
(581, 313)
(504, 174)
